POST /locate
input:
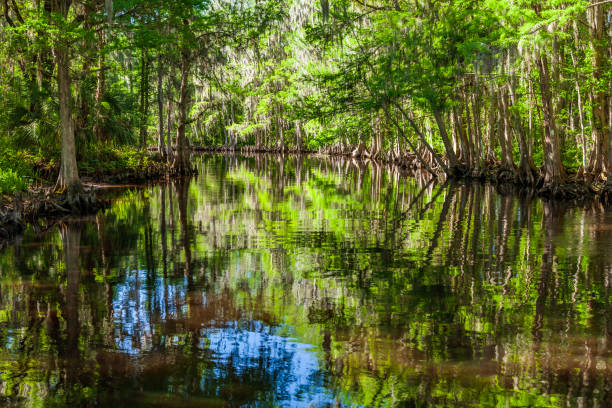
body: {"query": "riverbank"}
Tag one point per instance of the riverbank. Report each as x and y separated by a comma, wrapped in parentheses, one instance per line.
(34, 206)
(252, 149)
(121, 169)
(576, 187)
(27, 195)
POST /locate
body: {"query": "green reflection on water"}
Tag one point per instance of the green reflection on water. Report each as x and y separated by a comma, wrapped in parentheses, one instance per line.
(310, 282)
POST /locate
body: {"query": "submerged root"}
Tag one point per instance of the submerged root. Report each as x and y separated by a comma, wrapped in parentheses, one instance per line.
(606, 193)
(571, 190)
(11, 224)
(46, 205)
(81, 202)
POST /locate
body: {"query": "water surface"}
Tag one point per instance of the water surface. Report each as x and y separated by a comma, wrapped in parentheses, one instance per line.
(307, 282)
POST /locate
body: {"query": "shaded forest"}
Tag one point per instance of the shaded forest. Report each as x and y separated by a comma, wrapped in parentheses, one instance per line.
(515, 91)
(337, 253)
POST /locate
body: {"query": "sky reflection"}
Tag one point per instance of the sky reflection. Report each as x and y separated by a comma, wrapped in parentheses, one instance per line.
(303, 282)
(236, 351)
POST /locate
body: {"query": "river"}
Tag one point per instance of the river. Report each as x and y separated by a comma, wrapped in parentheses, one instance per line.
(311, 282)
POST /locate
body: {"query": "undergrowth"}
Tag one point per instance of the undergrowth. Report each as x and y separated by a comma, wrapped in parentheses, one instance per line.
(19, 169)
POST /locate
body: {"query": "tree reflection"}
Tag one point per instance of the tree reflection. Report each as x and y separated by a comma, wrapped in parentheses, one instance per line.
(296, 281)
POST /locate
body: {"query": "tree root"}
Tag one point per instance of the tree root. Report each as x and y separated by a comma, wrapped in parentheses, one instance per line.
(47, 205)
(606, 193)
(570, 190)
(253, 149)
(11, 224)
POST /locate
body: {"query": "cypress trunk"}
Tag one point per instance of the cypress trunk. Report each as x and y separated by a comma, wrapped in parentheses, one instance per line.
(554, 173)
(69, 175)
(161, 146)
(450, 153)
(182, 163)
(599, 166)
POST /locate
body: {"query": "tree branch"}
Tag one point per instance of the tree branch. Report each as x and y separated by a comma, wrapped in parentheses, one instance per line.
(601, 3)
(17, 13)
(6, 14)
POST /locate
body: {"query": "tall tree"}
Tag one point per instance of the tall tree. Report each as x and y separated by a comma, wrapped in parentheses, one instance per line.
(69, 174)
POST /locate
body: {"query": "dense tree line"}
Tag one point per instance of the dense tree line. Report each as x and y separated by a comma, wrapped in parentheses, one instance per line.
(519, 90)
(81, 75)
(516, 90)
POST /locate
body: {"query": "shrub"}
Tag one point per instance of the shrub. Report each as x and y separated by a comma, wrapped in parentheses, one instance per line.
(12, 182)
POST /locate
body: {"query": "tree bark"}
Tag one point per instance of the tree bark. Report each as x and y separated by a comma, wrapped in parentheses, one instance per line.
(448, 146)
(582, 136)
(169, 141)
(98, 128)
(69, 175)
(144, 97)
(599, 166)
(504, 133)
(160, 107)
(477, 137)
(182, 163)
(554, 173)
(81, 119)
(463, 150)
(526, 172)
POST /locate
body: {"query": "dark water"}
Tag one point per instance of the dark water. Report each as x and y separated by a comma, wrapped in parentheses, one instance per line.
(311, 283)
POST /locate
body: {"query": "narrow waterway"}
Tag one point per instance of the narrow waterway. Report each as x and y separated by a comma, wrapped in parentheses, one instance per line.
(310, 282)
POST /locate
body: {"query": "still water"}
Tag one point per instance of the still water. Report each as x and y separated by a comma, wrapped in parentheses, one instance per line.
(271, 282)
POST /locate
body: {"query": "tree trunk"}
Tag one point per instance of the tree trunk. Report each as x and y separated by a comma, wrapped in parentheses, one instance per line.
(100, 84)
(478, 142)
(169, 141)
(421, 136)
(161, 146)
(81, 116)
(464, 153)
(598, 34)
(450, 153)
(504, 133)
(582, 136)
(526, 172)
(182, 163)
(412, 147)
(69, 175)
(554, 173)
(144, 97)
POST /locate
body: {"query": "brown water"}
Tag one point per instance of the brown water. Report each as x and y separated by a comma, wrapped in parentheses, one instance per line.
(269, 282)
